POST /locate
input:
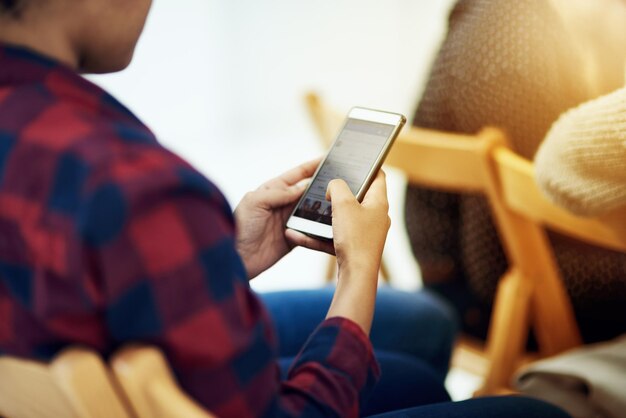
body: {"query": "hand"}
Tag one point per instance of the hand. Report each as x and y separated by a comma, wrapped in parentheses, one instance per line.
(359, 232)
(261, 215)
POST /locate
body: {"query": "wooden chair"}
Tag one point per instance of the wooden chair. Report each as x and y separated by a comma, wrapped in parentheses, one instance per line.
(150, 386)
(465, 163)
(76, 384)
(532, 293)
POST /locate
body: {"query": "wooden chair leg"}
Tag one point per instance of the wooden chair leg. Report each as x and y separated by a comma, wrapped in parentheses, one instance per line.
(553, 319)
(508, 331)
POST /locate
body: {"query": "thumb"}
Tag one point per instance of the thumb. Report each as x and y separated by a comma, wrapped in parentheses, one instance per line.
(338, 192)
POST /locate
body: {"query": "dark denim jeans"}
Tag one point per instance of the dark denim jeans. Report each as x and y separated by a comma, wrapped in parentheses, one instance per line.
(497, 407)
(412, 333)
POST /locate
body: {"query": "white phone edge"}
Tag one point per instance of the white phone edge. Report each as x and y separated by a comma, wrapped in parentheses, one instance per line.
(309, 227)
(377, 116)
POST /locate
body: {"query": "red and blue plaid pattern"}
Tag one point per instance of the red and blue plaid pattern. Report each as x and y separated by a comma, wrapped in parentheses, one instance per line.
(107, 238)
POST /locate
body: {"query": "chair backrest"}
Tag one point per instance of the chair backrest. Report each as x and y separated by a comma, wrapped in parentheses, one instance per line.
(327, 121)
(446, 161)
(430, 158)
(525, 296)
(76, 384)
(523, 213)
(532, 292)
(521, 194)
(528, 212)
(150, 386)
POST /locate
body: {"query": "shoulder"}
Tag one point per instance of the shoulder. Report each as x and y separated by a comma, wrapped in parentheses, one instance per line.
(82, 155)
(580, 164)
(117, 168)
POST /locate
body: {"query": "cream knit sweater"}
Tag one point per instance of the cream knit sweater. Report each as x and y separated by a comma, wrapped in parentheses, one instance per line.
(581, 165)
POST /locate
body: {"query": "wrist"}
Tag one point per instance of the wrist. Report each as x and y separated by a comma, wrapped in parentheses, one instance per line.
(355, 297)
(361, 269)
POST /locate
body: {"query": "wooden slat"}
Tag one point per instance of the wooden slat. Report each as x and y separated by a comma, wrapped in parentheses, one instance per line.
(22, 381)
(150, 386)
(85, 380)
(444, 161)
(427, 157)
(76, 384)
(508, 330)
(521, 193)
(327, 121)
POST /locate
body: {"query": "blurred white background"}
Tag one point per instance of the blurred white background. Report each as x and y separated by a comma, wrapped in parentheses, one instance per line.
(222, 83)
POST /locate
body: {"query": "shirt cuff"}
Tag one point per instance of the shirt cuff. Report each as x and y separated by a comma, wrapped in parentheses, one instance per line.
(339, 343)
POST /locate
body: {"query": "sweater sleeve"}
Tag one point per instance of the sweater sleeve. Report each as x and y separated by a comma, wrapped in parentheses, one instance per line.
(581, 165)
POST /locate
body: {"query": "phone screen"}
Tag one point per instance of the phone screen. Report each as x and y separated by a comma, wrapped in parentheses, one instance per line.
(355, 151)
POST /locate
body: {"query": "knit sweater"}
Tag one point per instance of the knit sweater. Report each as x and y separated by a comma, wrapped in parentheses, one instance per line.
(582, 163)
(510, 64)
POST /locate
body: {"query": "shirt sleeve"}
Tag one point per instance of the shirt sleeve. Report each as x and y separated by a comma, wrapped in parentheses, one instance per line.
(160, 243)
(581, 165)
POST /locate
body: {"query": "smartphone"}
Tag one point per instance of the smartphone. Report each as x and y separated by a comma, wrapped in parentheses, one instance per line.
(355, 156)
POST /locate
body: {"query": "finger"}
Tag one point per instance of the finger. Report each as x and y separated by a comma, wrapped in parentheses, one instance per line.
(277, 197)
(299, 239)
(377, 193)
(339, 193)
(293, 176)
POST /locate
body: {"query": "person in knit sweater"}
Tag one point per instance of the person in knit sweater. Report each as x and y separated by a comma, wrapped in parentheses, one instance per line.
(581, 165)
(518, 66)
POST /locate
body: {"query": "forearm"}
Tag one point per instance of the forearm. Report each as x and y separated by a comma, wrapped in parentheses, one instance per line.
(360, 231)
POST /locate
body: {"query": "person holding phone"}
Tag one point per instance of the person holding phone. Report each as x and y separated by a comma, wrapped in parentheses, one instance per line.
(108, 238)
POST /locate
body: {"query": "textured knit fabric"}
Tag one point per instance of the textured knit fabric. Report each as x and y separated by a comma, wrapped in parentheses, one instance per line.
(582, 163)
(508, 64)
(107, 238)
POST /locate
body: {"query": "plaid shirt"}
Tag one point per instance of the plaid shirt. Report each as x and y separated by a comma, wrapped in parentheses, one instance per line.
(107, 238)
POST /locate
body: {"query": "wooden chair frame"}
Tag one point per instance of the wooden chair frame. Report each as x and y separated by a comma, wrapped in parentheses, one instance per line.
(150, 386)
(533, 292)
(76, 384)
(465, 164)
